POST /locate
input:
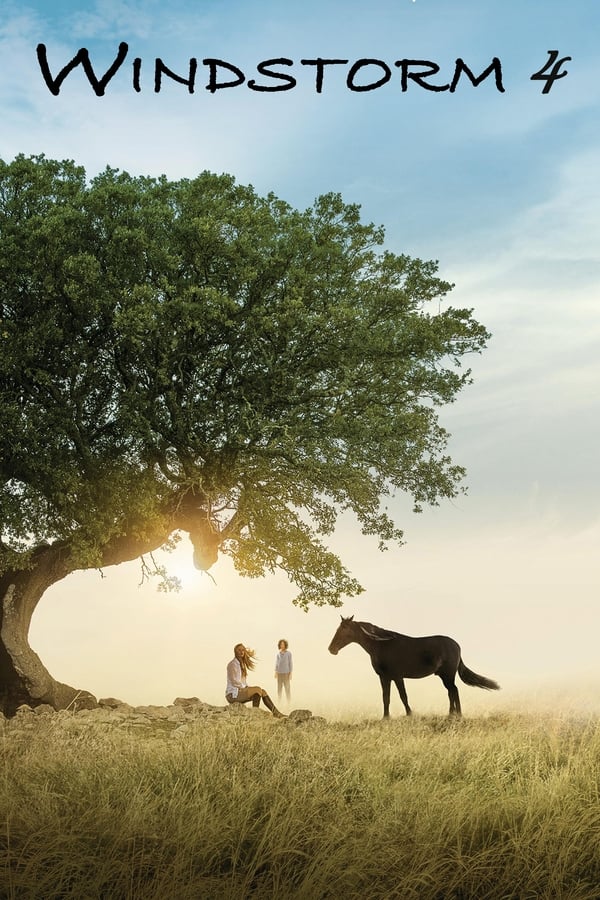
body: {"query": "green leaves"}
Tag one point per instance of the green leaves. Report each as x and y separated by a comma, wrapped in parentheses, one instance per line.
(190, 345)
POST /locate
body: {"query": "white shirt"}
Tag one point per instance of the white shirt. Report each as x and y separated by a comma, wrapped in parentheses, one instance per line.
(283, 662)
(235, 679)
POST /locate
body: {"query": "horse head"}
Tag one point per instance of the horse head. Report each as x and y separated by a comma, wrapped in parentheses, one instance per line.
(345, 634)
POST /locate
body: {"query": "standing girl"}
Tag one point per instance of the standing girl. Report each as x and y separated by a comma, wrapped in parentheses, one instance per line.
(283, 669)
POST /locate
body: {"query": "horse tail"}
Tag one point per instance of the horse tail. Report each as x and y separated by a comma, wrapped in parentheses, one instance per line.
(475, 680)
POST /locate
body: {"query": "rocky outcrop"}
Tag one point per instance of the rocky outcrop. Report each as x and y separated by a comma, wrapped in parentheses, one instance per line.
(184, 714)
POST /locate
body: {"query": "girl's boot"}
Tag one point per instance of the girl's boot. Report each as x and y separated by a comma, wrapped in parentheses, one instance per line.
(270, 705)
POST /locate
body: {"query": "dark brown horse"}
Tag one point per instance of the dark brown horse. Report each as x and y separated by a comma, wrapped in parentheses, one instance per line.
(396, 657)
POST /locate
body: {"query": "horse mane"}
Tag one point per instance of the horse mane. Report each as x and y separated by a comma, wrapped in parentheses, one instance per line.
(377, 633)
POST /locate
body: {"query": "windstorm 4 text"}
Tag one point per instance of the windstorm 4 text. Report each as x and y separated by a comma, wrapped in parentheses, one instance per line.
(283, 74)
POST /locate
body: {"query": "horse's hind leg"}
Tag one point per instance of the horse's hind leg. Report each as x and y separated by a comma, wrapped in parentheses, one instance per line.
(403, 695)
(450, 686)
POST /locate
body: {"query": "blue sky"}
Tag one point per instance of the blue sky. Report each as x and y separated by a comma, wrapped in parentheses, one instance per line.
(501, 188)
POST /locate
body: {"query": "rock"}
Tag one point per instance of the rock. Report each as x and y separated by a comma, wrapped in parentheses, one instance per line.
(300, 715)
(238, 709)
(83, 700)
(181, 731)
(100, 715)
(112, 703)
(153, 712)
(194, 707)
(177, 714)
(182, 716)
(305, 718)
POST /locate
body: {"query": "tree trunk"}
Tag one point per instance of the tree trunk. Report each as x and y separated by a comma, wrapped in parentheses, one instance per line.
(23, 676)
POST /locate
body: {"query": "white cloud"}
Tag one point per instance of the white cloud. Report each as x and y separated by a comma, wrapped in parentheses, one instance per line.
(103, 20)
(566, 226)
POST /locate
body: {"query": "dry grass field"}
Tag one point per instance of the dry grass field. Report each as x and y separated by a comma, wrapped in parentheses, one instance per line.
(506, 806)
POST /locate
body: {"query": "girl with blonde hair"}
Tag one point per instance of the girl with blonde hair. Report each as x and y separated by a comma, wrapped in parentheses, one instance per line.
(238, 690)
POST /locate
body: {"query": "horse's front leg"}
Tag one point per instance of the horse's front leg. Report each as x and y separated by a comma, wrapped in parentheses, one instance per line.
(403, 694)
(385, 690)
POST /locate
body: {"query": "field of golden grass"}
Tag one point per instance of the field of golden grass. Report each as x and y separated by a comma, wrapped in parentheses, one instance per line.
(505, 806)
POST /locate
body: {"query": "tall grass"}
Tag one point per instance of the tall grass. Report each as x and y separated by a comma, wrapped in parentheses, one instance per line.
(503, 807)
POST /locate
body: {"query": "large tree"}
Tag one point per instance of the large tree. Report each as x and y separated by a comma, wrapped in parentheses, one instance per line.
(186, 357)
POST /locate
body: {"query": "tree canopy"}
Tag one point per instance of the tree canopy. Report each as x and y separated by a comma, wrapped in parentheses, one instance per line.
(188, 355)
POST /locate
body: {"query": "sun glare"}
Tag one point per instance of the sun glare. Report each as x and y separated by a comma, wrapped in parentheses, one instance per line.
(180, 565)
